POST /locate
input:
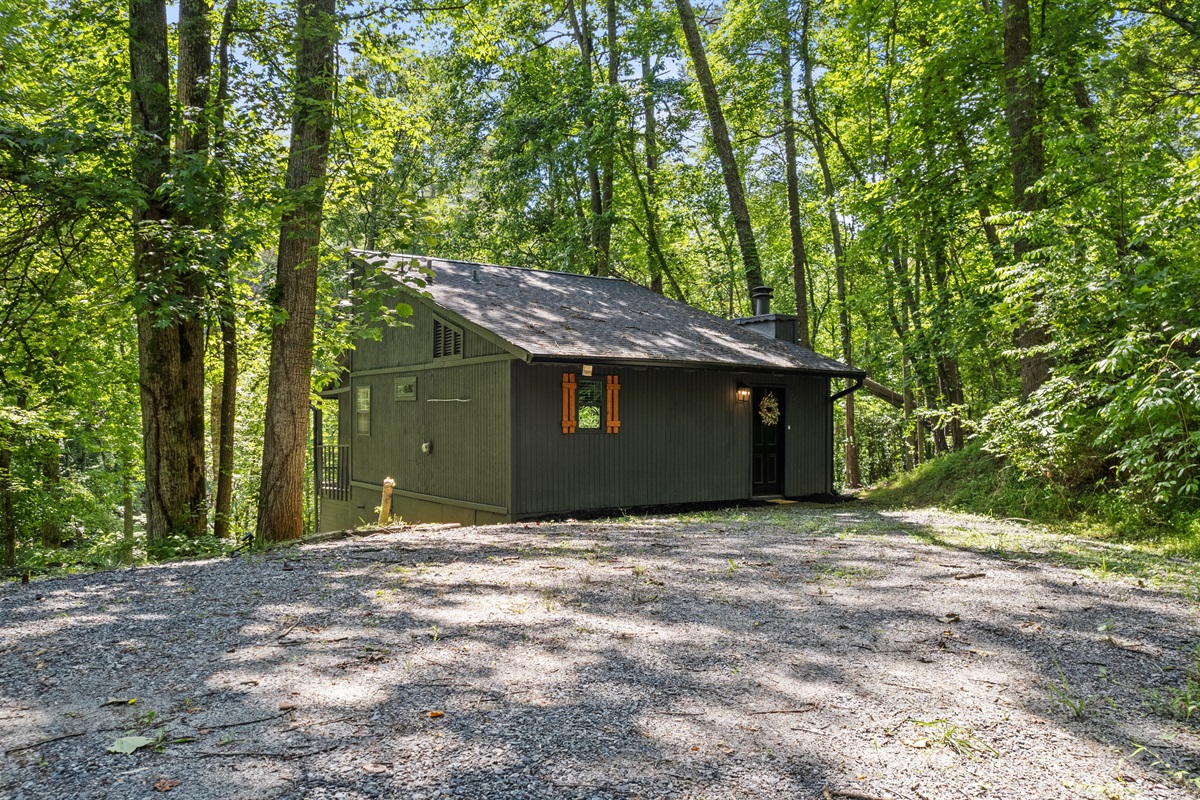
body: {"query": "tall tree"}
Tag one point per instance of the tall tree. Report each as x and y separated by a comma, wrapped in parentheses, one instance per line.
(170, 336)
(752, 265)
(281, 490)
(1028, 160)
(792, 178)
(226, 416)
(853, 480)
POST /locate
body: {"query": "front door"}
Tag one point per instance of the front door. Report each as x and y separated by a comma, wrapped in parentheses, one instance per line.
(767, 450)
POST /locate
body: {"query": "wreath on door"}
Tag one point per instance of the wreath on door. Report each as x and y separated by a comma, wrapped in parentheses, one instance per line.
(768, 409)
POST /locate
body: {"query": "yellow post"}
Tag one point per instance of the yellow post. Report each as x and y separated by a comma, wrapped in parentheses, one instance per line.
(385, 505)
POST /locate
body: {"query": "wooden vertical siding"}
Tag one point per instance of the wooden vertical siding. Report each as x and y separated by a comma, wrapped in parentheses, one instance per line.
(808, 448)
(413, 343)
(470, 440)
(683, 438)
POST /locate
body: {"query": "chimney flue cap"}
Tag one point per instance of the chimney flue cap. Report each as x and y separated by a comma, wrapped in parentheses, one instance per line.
(760, 300)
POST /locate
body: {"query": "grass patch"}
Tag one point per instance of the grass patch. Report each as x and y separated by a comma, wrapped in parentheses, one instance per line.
(1095, 532)
(978, 483)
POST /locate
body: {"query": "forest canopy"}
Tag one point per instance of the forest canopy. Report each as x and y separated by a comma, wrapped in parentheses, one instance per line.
(991, 207)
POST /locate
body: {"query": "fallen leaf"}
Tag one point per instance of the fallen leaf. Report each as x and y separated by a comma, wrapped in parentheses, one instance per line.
(436, 714)
(119, 701)
(287, 706)
(977, 651)
(726, 749)
(375, 769)
(694, 749)
(951, 617)
(247, 683)
(204, 731)
(920, 744)
(127, 744)
(165, 785)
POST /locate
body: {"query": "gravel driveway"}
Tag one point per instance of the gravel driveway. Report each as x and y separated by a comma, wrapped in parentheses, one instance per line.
(793, 651)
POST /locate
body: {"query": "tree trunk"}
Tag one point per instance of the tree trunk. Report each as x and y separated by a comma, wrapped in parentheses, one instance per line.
(170, 343)
(582, 28)
(126, 515)
(752, 266)
(799, 255)
(654, 257)
(1028, 167)
(853, 480)
(52, 517)
(604, 224)
(281, 493)
(8, 519)
(228, 311)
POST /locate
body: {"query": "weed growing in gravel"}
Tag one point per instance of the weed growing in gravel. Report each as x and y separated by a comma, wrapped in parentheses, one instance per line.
(1164, 763)
(1179, 702)
(942, 731)
(1062, 693)
(846, 574)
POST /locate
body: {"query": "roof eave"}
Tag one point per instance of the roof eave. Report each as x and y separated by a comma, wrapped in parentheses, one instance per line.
(543, 358)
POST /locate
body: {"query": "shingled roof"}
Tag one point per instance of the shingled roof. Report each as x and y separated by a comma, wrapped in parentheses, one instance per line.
(560, 316)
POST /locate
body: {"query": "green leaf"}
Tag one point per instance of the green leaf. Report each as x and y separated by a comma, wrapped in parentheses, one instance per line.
(128, 744)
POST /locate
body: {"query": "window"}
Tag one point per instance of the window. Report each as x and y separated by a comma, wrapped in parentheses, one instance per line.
(447, 340)
(362, 410)
(586, 402)
(406, 388)
(588, 405)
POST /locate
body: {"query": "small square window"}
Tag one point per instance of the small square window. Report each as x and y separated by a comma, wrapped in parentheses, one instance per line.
(406, 388)
(362, 410)
(588, 405)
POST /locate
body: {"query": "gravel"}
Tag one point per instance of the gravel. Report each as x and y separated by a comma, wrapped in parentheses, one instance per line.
(791, 651)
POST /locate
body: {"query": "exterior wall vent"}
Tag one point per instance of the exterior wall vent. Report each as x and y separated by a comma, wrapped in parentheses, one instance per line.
(447, 340)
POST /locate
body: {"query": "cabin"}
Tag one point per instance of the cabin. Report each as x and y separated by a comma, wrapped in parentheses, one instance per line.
(520, 394)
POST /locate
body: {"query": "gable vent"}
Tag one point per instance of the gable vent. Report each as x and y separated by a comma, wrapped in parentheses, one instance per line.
(447, 340)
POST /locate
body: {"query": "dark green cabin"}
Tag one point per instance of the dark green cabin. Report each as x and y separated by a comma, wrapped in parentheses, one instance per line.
(520, 393)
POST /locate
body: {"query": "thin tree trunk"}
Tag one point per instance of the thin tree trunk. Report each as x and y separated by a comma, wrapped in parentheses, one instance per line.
(8, 519)
(751, 264)
(126, 515)
(604, 224)
(281, 493)
(581, 26)
(1028, 167)
(170, 346)
(228, 312)
(799, 255)
(51, 522)
(853, 479)
(653, 249)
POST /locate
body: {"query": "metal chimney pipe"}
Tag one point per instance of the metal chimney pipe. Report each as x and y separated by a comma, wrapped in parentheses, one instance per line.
(760, 300)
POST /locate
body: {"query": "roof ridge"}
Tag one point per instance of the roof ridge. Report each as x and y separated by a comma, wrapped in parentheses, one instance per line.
(496, 266)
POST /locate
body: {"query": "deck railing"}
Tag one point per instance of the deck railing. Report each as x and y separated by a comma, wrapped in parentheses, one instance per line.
(333, 467)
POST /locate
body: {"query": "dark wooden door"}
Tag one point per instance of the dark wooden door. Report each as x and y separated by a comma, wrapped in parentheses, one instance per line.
(767, 450)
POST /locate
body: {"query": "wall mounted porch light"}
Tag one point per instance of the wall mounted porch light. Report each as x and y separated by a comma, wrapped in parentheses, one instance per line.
(742, 394)
(587, 370)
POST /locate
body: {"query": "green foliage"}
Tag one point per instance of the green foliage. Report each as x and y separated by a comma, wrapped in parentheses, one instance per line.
(1180, 702)
(476, 133)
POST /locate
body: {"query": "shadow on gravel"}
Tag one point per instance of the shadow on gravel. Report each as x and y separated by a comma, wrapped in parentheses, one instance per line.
(762, 653)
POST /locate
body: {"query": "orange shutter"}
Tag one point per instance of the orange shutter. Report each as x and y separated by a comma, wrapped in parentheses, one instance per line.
(614, 415)
(568, 415)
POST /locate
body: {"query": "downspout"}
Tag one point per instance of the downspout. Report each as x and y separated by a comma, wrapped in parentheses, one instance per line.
(318, 441)
(858, 384)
